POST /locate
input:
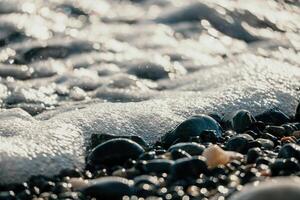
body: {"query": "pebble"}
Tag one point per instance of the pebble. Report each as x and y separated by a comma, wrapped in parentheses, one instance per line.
(239, 120)
(273, 117)
(239, 143)
(216, 156)
(253, 154)
(290, 151)
(189, 167)
(275, 189)
(108, 188)
(192, 127)
(191, 148)
(115, 151)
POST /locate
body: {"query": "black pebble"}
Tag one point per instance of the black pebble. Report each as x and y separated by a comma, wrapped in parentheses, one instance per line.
(239, 143)
(290, 151)
(108, 188)
(239, 121)
(114, 152)
(192, 127)
(191, 148)
(189, 167)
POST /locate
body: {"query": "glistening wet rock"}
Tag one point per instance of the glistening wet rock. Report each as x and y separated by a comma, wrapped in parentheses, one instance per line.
(191, 148)
(115, 151)
(239, 120)
(273, 117)
(290, 151)
(189, 167)
(192, 127)
(108, 188)
(239, 143)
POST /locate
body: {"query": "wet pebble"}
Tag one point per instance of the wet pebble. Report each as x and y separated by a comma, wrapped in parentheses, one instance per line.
(192, 127)
(273, 117)
(239, 120)
(191, 148)
(108, 188)
(290, 151)
(239, 143)
(189, 167)
(115, 151)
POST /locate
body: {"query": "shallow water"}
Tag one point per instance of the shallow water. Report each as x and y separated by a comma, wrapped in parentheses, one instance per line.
(70, 69)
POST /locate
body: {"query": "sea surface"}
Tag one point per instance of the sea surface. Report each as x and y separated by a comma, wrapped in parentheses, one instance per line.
(69, 69)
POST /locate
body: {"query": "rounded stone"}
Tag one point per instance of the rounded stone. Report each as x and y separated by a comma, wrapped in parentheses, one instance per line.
(108, 188)
(191, 148)
(239, 143)
(158, 166)
(273, 117)
(239, 120)
(114, 152)
(275, 189)
(189, 167)
(192, 127)
(253, 154)
(290, 151)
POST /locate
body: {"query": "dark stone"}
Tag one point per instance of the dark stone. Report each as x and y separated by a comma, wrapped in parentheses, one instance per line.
(179, 153)
(150, 155)
(265, 143)
(277, 131)
(239, 143)
(189, 167)
(191, 148)
(239, 121)
(70, 173)
(114, 152)
(108, 188)
(158, 166)
(253, 154)
(192, 127)
(290, 151)
(285, 166)
(97, 139)
(208, 136)
(273, 117)
(263, 160)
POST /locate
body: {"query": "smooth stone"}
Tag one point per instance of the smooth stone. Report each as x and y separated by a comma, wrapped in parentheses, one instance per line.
(148, 155)
(189, 167)
(191, 148)
(290, 151)
(275, 189)
(192, 127)
(142, 179)
(253, 154)
(108, 188)
(97, 139)
(208, 136)
(115, 151)
(216, 156)
(287, 166)
(265, 143)
(158, 166)
(239, 143)
(179, 153)
(239, 120)
(277, 131)
(273, 117)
